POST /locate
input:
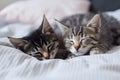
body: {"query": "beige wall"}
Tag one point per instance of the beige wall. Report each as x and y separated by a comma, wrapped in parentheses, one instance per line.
(4, 3)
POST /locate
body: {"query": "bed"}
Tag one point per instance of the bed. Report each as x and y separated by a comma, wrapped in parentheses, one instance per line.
(21, 17)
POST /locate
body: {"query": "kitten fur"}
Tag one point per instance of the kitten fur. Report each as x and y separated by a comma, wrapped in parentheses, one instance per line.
(89, 33)
(41, 43)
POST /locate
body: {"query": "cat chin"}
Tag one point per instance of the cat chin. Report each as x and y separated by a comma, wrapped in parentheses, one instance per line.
(72, 50)
(79, 53)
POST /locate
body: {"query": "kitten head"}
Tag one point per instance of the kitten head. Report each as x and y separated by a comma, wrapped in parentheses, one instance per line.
(81, 39)
(48, 50)
(42, 43)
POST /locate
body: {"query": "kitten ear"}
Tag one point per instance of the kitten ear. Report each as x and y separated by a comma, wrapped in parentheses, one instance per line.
(61, 28)
(20, 43)
(95, 23)
(45, 27)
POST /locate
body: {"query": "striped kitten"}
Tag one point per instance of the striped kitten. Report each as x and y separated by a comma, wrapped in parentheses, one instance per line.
(42, 43)
(89, 33)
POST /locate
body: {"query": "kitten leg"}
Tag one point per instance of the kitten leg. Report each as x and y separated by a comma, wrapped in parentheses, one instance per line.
(99, 49)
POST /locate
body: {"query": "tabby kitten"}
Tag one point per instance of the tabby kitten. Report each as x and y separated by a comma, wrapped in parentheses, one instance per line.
(41, 43)
(89, 33)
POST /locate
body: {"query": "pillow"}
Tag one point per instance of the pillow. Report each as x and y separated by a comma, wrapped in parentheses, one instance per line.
(104, 5)
(32, 11)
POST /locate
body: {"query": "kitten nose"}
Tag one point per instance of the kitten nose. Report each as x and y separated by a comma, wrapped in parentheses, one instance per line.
(77, 47)
(46, 55)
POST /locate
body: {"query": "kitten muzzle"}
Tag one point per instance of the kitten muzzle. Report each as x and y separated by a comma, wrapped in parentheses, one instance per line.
(46, 55)
(77, 45)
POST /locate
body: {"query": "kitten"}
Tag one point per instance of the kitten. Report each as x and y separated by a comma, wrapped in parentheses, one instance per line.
(41, 43)
(89, 33)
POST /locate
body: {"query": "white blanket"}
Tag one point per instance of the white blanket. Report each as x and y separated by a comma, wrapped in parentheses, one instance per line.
(15, 65)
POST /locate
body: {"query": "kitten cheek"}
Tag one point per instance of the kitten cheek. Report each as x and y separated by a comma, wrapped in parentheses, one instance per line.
(72, 49)
(68, 45)
(87, 42)
(53, 53)
(83, 46)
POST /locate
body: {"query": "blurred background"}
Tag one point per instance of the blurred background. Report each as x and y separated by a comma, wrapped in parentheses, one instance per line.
(4, 3)
(96, 5)
(31, 11)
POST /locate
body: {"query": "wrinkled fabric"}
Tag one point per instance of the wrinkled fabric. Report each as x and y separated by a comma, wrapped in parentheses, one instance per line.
(15, 65)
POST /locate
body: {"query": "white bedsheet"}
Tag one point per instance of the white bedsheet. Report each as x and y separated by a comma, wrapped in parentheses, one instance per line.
(15, 65)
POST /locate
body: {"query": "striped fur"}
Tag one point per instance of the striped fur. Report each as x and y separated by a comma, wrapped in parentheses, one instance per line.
(41, 43)
(89, 33)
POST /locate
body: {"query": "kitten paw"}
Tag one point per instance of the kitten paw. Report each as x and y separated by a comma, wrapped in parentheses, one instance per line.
(70, 56)
(95, 51)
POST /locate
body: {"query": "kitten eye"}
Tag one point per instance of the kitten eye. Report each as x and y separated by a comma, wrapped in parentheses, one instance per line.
(81, 39)
(37, 54)
(50, 46)
(71, 42)
(86, 41)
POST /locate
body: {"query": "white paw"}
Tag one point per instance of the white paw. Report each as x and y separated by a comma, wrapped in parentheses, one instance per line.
(95, 51)
(70, 56)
